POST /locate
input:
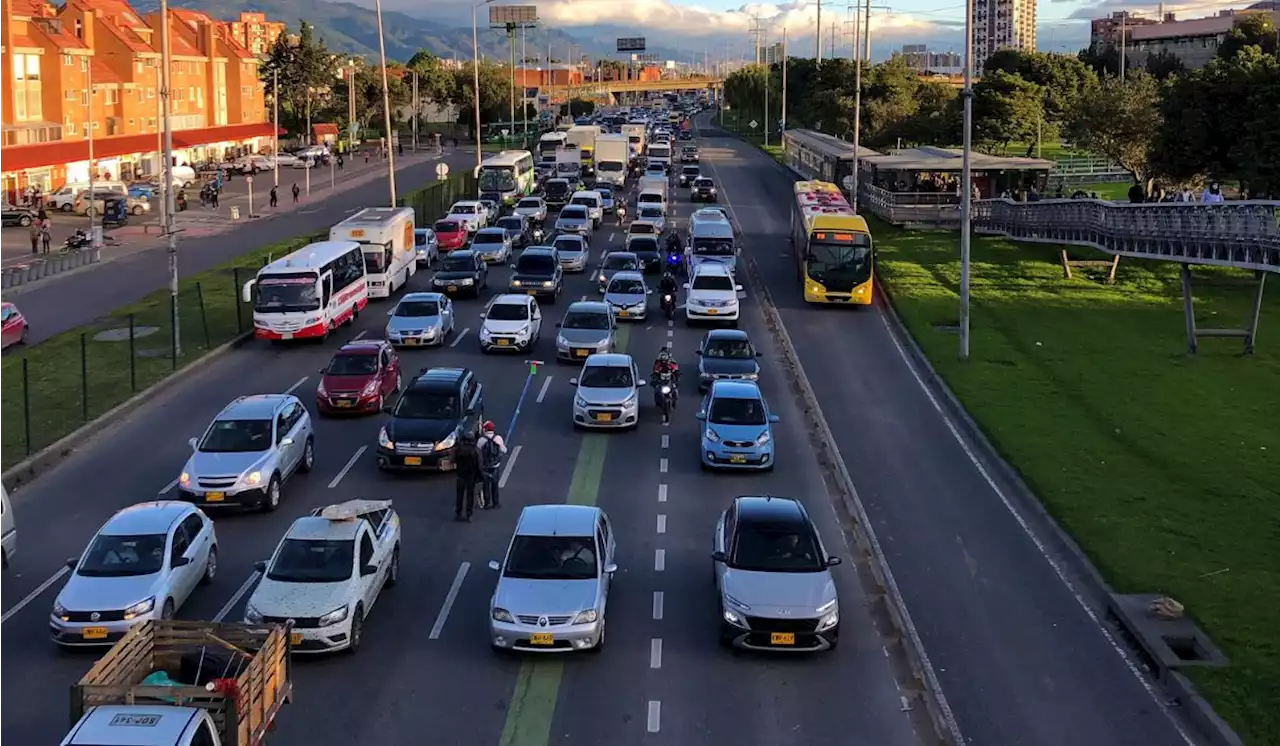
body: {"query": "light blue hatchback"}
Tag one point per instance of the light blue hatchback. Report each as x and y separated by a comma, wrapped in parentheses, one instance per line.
(737, 427)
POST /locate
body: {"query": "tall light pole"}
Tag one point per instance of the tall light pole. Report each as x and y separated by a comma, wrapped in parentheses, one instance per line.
(966, 180)
(311, 161)
(857, 108)
(414, 108)
(92, 205)
(386, 108)
(275, 129)
(169, 204)
(818, 55)
(524, 83)
(785, 60)
(475, 69)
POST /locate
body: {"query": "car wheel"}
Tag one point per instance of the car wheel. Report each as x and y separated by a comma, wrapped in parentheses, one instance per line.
(393, 573)
(210, 566)
(137, 210)
(308, 456)
(357, 630)
(272, 501)
(599, 646)
(24, 221)
(166, 611)
(66, 207)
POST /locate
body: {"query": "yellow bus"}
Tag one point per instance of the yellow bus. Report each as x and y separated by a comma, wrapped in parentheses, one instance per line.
(832, 246)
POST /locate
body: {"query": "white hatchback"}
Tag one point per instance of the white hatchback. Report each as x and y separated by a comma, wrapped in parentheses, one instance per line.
(712, 295)
(511, 322)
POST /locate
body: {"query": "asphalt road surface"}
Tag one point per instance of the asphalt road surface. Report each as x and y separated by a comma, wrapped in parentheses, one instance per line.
(404, 686)
(1020, 659)
(57, 304)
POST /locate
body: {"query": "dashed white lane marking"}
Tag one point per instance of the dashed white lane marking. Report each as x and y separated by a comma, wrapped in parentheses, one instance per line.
(244, 588)
(659, 560)
(662, 493)
(670, 324)
(459, 337)
(449, 598)
(662, 466)
(657, 606)
(168, 487)
(295, 386)
(359, 452)
(612, 236)
(671, 333)
(906, 706)
(33, 595)
(666, 441)
(506, 470)
(655, 653)
(360, 335)
(654, 721)
(542, 393)
(662, 523)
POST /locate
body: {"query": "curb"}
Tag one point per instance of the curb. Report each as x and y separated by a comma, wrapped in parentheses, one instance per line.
(27, 470)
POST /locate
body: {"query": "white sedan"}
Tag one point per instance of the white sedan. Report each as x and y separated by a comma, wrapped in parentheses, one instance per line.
(327, 574)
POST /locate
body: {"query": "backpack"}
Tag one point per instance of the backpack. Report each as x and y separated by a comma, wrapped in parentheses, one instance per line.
(490, 453)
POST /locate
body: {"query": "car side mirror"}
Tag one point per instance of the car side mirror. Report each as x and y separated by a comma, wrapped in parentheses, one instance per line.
(573, 381)
(686, 286)
(495, 565)
(483, 315)
(260, 566)
(72, 562)
(642, 382)
(719, 556)
(648, 292)
(774, 418)
(759, 354)
(193, 442)
(701, 415)
(833, 561)
(559, 325)
(610, 568)
(738, 288)
(181, 562)
(392, 312)
(698, 353)
(286, 442)
(368, 569)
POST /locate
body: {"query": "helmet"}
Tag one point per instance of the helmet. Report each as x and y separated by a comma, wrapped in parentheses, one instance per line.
(487, 426)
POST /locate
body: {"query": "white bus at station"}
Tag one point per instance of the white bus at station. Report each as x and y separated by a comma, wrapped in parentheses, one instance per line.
(386, 235)
(308, 293)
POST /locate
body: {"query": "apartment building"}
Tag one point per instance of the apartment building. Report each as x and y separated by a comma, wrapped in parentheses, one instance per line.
(255, 33)
(1193, 41)
(1106, 32)
(919, 58)
(1002, 24)
(89, 71)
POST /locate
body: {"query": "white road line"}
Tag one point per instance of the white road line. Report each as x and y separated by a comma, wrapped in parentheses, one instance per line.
(657, 606)
(670, 324)
(360, 335)
(359, 452)
(452, 596)
(666, 441)
(458, 337)
(295, 386)
(662, 523)
(662, 466)
(33, 595)
(655, 653)
(542, 393)
(662, 493)
(168, 487)
(612, 236)
(659, 560)
(506, 470)
(671, 332)
(235, 597)
(654, 721)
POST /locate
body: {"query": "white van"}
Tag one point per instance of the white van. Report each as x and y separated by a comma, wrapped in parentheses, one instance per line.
(64, 198)
(594, 204)
(652, 197)
(10, 542)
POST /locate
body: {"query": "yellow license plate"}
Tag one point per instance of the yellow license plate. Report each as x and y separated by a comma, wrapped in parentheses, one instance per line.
(782, 638)
(624, 313)
(712, 312)
(580, 353)
(503, 342)
(604, 417)
(413, 461)
(94, 633)
(737, 459)
(215, 497)
(542, 638)
(453, 288)
(343, 403)
(295, 639)
(532, 292)
(411, 341)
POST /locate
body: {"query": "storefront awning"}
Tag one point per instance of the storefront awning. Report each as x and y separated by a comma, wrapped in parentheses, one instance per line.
(40, 155)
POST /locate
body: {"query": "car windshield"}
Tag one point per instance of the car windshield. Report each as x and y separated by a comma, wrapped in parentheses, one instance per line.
(568, 244)
(643, 245)
(626, 286)
(552, 558)
(617, 261)
(768, 548)
(497, 178)
(557, 187)
(459, 264)
(287, 293)
(606, 377)
(576, 213)
(584, 201)
(702, 182)
(529, 204)
(713, 246)
(489, 237)
(447, 226)
(609, 167)
(688, 171)
(427, 405)
(352, 365)
(737, 349)
(418, 308)
(122, 556)
(604, 192)
(463, 210)
(237, 436)
(535, 264)
(712, 282)
(421, 238)
(508, 312)
(313, 561)
(726, 411)
(643, 228)
(585, 320)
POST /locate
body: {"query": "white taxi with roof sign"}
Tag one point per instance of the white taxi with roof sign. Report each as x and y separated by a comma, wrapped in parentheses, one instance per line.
(327, 573)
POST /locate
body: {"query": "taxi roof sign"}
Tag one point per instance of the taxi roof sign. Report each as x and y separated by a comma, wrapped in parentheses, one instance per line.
(352, 509)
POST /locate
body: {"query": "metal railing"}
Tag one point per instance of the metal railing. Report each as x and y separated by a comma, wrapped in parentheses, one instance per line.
(1085, 170)
(940, 209)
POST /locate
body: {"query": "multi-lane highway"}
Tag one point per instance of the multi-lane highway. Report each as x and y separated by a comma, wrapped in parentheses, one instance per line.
(426, 671)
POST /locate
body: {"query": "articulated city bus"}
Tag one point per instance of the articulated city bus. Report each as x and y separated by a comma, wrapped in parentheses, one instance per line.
(309, 292)
(832, 246)
(507, 176)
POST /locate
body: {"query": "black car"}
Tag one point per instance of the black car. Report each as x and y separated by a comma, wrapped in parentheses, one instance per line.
(648, 250)
(726, 354)
(688, 174)
(703, 189)
(461, 271)
(689, 154)
(517, 228)
(19, 216)
(685, 135)
(437, 407)
(537, 272)
(557, 192)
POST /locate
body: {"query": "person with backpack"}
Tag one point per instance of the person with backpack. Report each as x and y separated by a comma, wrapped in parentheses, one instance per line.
(467, 465)
(492, 449)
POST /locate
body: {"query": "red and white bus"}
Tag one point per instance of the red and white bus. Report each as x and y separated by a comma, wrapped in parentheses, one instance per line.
(308, 293)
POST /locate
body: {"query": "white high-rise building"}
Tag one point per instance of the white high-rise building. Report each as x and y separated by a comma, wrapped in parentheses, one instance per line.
(1002, 24)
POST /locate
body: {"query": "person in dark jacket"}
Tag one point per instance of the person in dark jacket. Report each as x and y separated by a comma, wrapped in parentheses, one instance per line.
(470, 470)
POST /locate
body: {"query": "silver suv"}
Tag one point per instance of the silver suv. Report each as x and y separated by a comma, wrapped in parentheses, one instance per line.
(250, 449)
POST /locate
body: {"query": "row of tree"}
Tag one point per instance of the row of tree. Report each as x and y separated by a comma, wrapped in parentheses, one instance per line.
(1160, 121)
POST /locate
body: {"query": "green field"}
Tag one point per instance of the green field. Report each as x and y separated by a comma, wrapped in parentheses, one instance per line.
(1162, 466)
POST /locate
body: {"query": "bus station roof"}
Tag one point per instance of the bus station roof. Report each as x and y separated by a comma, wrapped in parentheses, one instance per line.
(950, 159)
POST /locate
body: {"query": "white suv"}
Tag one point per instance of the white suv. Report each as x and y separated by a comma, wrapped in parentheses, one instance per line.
(470, 213)
(712, 295)
(511, 322)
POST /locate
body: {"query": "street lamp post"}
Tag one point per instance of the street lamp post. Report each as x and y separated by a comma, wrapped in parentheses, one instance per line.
(91, 206)
(170, 234)
(386, 108)
(275, 127)
(966, 180)
(475, 69)
(310, 162)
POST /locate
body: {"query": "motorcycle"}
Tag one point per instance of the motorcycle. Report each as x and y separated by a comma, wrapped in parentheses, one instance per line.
(669, 305)
(537, 235)
(675, 260)
(664, 390)
(77, 241)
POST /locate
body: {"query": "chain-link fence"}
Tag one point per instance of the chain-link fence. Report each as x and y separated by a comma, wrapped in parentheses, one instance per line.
(432, 201)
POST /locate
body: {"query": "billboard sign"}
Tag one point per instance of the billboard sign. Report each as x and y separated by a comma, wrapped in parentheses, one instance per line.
(631, 44)
(504, 15)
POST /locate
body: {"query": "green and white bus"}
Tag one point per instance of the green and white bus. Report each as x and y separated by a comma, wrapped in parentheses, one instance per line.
(507, 176)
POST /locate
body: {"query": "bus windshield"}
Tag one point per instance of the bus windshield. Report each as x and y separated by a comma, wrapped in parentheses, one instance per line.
(713, 246)
(376, 257)
(497, 178)
(288, 293)
(839, 256)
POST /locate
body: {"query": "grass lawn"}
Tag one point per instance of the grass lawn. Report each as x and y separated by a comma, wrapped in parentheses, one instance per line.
(1116, 191)
(1163, 467)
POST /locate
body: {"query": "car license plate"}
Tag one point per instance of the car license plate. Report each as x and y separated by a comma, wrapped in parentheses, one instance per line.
(604, 417)
(215, 497)
(712, 312)
(782, 638)
(287, 335)
(295, 639)
(343, 403)
(94, 633)
(453, 288)
(624, 313)
(580, 353)
(542, 638)
(533, 292)
(411, 341)
(503, 342)
(737, 459)
(413, 461)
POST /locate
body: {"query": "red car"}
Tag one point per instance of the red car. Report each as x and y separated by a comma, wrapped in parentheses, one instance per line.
(359, 379)
(451, 234)
(14, 331)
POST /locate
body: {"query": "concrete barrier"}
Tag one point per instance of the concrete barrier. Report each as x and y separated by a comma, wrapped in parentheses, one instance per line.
(48, 266)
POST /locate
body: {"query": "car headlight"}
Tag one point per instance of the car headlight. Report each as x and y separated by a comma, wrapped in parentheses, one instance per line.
(383, 440)
(370, 388)
(604, 344)
(734, 618)
(448, 442)
(337, 615)
(312, 320)
(252, 615)
(320, 389)
(548, 283)
(585, 617)
(515, 283)
(253, 477)
(629, 401)
(829, 621)
(562, 343)
(184, 479)
(764, 438)
(711, 435)
(140, 608)
(468, 281)
(502, 615)
(59, 610)
(524, 331)
(578, 401)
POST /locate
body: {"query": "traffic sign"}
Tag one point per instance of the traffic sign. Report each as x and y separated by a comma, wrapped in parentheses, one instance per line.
(753, 124)
(248, 179)
(442, 170)
(847, 182)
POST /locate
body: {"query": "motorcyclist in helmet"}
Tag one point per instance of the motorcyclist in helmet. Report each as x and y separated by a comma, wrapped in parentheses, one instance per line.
(668, 283)
(664, 365)
(673, 244)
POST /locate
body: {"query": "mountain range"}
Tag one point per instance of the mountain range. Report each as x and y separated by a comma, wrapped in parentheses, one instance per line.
(352, 29)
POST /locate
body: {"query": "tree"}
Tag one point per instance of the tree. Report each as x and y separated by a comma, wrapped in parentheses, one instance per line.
(495, 93)
(1118, 121)
(937, 120)
(1253, 30)
(436, 82)
(368, 95)
(1103, 59)
(888, 98)
(1062, 78)
(1006, 109)
(1164, 65)
(307, 72)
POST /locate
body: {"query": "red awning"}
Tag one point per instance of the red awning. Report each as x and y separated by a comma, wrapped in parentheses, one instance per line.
(22, 157)
(325, 128)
